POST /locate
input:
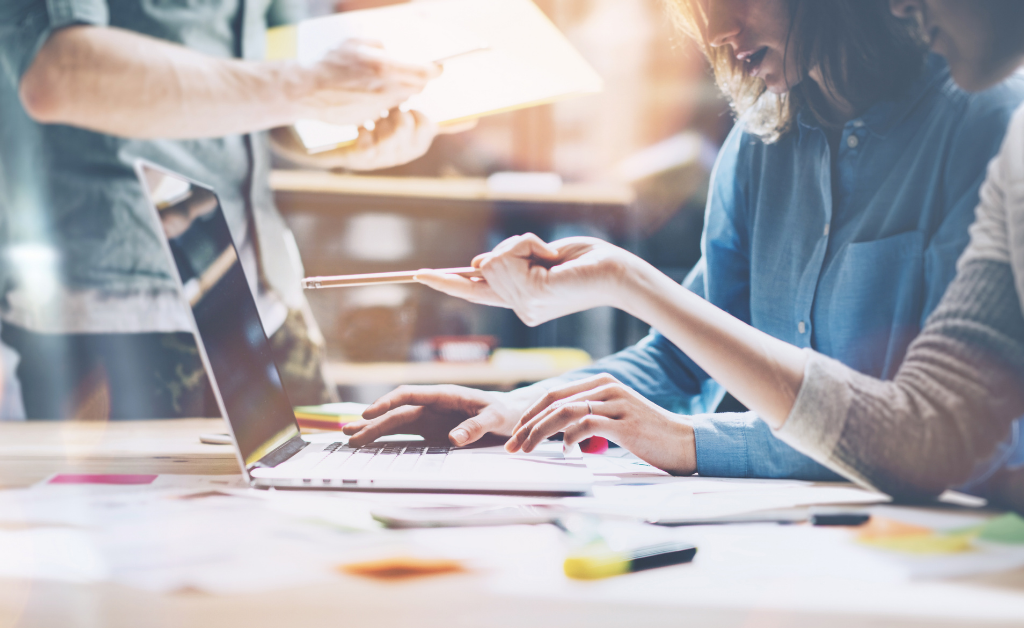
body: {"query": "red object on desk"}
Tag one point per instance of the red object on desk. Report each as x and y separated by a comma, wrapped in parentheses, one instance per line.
(594, 445)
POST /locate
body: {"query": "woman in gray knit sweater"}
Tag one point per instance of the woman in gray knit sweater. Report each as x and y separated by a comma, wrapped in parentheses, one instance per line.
(955, 399)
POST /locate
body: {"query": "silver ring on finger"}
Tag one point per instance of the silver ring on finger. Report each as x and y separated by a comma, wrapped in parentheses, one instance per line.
(590, 409)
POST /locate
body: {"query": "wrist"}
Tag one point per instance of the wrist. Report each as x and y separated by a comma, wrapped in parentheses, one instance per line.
(635, 282)
(290, 88)
(686, 448)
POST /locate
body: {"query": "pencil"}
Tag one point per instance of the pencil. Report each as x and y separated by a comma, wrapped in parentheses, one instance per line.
(373, 279)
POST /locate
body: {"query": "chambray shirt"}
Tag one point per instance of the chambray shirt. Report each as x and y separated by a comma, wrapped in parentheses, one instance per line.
(850, 267)
(74, 192)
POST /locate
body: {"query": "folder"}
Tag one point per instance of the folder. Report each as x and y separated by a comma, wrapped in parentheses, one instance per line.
(498, 56)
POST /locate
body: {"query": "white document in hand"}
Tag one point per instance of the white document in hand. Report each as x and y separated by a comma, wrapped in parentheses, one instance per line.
(498, 55)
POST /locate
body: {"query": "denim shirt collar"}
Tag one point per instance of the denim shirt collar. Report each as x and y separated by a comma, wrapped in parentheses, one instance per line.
(884, 115)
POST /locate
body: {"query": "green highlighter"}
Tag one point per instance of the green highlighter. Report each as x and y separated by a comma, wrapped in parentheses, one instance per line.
(596, 560)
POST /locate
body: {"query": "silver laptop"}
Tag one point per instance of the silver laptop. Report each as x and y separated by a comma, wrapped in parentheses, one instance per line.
(249, 393)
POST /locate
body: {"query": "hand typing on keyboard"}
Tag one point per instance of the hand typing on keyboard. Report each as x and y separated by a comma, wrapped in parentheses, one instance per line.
(448, 413)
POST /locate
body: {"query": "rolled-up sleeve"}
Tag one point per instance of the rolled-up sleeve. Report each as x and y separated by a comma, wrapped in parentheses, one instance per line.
(950, 406)
(25, 26)
(741, 445)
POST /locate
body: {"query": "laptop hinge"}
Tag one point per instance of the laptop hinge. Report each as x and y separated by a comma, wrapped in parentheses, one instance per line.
(282, 453)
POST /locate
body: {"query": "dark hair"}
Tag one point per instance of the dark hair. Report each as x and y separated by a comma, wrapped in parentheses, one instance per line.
(864, 54)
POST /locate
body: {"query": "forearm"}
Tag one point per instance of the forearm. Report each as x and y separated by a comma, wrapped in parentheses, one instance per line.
(764, 373)
(122, 83)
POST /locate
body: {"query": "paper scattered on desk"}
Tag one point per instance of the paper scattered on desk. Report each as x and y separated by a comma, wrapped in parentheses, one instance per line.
(626, 467)
(212, 534)
(182, 533)
(679, 501)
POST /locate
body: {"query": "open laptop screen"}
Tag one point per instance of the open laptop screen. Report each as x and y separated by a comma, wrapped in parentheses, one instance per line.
(215, 287)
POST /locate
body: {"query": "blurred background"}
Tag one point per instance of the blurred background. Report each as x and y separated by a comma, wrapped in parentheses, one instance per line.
(630, 165)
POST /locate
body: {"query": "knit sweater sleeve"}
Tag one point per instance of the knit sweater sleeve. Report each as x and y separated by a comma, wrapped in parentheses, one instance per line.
(951, 403)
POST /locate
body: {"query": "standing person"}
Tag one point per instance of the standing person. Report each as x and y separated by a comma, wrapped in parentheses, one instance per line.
(838, 208)
(952, 407)
(86, 295)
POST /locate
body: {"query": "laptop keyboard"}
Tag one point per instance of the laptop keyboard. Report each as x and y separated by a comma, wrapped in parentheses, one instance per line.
(376, 459)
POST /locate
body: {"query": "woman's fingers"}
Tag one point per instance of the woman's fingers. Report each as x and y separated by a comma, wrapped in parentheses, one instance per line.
(524, 247)
(396, 138)
(391, 69)
(557, 394)
(362, 432)
(553, 422)
(553, 419)
(432, 410)
(474, 428)
(443, 397)
(456, 286)
(521, 248)
(592, 425)
(406, 396)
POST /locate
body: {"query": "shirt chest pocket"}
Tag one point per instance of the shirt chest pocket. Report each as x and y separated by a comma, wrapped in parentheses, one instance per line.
(875, 306)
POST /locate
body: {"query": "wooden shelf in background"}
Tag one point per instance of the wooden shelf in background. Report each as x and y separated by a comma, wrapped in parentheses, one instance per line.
(466, 374)
(440, 188)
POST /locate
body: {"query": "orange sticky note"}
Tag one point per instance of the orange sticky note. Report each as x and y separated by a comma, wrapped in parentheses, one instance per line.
(402, 567)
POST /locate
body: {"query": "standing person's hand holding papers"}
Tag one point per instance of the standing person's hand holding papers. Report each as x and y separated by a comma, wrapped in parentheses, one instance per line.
(119, 82)
(359, 82)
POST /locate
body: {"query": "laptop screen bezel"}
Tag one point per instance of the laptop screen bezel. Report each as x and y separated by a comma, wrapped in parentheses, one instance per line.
(291, 445)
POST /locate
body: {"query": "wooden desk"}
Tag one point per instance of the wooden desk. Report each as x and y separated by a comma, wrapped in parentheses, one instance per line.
(32, 450)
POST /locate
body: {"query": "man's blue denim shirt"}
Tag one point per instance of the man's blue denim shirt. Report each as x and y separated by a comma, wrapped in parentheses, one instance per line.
(852, 273)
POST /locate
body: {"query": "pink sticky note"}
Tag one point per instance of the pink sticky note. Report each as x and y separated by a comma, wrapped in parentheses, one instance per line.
(99, 478)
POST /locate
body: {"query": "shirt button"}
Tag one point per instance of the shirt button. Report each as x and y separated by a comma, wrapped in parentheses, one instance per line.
(827, 226)
(852, 141)
(801, 327)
